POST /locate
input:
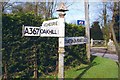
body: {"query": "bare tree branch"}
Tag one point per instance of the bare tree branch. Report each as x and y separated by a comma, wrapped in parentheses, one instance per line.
(6, 5)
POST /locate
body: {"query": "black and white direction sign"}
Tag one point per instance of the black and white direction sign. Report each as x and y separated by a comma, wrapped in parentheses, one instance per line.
(30, 31)
(52, 28)
(75, 40)
(40, 31)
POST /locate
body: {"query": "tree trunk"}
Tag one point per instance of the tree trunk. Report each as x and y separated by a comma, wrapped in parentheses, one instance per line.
(5, 74)
(36, 7)
(35, 69)
(115, 41)
(105, 14)
(35, 62)
(113, 32)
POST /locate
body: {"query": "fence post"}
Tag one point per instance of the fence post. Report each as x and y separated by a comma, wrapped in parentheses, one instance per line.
(91, 42)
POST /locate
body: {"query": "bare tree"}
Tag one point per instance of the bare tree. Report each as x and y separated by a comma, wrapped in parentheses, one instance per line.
(23, 7)
(47, 9)
(6, 4)
(105, 15)
(113, 25)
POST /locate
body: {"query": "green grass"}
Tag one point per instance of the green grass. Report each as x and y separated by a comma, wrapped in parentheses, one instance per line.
(119, 44)
(99, 68)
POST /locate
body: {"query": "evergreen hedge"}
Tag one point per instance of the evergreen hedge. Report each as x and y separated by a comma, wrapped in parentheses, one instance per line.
(19, 53)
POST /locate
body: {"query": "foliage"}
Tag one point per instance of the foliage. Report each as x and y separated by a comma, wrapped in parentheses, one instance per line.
(19, 53)
(96, 32)
(76, 54)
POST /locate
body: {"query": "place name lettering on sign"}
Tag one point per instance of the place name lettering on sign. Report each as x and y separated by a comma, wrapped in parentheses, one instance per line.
(47, 31)
(75, 40)
(49, 23)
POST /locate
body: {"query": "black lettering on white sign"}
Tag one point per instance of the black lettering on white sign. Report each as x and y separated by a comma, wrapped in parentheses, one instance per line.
(47, 31)
(31, 30)
(36, 31)
(75, 40)
(51, 24)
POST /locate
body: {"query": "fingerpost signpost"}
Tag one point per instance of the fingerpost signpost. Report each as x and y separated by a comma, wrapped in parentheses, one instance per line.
(55, 28)
(61, 10)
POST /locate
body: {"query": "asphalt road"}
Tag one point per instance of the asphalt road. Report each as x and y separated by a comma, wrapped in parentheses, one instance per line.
(103, 52)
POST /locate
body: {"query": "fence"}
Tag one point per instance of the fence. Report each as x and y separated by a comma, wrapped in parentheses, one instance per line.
(98, 43)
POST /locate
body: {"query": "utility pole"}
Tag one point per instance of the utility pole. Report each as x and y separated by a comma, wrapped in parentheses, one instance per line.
(61, 9)
(87, 30)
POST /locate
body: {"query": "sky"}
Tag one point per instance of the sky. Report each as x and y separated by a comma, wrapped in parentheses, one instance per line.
(76, 9)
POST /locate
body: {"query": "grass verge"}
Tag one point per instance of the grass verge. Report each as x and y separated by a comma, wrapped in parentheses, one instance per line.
(98, 68)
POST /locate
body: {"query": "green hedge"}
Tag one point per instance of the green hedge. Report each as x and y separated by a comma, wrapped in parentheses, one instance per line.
(19, 52)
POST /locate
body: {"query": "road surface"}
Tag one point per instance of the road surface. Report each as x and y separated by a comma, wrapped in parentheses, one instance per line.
(103, 52)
